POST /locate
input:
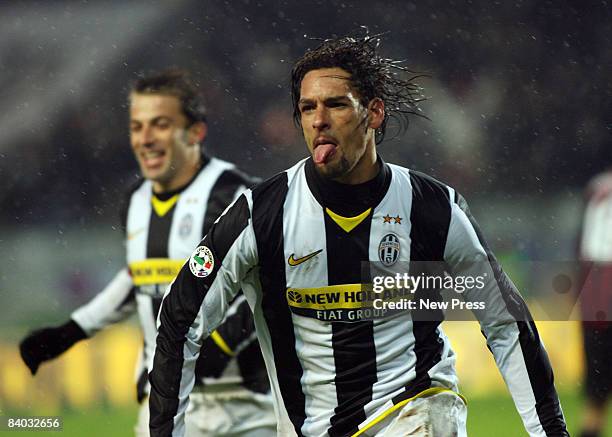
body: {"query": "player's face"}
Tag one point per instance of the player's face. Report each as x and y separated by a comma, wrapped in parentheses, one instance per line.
(338, 129)
(165, 148)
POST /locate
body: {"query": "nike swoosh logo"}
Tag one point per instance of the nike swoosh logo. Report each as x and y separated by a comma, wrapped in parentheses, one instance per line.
(132, 235)
(294, 262)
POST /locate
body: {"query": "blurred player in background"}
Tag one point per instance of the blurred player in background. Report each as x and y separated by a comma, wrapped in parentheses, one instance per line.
(295, 245)
(182, 193)
(596, 303)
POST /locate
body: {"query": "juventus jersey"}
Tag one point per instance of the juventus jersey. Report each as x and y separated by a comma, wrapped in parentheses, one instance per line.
(292, 243)
(161, 231)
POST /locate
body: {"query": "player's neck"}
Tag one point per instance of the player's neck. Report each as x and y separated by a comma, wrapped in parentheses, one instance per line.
(348, 200)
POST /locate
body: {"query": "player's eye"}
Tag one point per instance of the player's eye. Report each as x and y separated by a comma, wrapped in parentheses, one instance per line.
(135, 128)
(162, 124)
(306, 108)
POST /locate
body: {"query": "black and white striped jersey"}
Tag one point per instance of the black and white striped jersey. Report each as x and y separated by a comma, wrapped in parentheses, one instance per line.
(293, 243)
(161, 230)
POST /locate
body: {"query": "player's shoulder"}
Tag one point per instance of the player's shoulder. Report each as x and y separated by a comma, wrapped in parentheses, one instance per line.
(278, 185)
(223, 173)
(136, 186)
(423, 186)
(237, 177)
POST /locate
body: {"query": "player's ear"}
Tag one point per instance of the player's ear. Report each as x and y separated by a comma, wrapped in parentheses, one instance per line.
(376, 113)
(197, 132)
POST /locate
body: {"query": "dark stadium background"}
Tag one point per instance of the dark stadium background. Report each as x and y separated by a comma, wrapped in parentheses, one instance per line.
(520, 119)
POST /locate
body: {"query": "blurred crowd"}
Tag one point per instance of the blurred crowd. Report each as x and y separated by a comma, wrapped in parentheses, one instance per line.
(518, 92)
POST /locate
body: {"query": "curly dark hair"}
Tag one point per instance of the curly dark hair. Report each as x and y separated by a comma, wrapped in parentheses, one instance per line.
(371, 76)
(178, 83)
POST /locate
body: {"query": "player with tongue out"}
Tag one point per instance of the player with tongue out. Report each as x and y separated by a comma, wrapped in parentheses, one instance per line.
(338, 127)
(307, 232)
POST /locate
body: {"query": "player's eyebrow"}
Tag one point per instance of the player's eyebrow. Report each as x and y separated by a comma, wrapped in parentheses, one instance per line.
(161, 118)
(337, 99)
(331, 99)
(153, 120)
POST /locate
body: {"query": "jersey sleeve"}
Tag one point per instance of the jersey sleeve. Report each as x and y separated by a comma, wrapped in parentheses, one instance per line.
(113, 304)
(195, 304)
(507, 325)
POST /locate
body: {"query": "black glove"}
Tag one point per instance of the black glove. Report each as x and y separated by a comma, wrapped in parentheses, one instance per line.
(47, 343)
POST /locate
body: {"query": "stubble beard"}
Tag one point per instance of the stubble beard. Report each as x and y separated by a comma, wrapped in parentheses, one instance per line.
(336, 170)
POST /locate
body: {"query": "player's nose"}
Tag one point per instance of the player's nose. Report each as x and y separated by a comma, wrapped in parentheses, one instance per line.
(320, 120)
(147, 137)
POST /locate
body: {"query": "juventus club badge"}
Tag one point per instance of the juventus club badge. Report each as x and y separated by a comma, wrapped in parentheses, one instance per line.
(185, 226)
(389, 249)
(201, 262)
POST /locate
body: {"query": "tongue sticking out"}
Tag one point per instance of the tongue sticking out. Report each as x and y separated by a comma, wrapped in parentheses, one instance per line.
(323, 152)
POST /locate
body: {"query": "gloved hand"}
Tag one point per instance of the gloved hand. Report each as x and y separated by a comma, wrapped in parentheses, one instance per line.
(47, 343)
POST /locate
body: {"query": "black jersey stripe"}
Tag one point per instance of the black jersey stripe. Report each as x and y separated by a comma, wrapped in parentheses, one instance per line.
(268, 200)
(429, 220)
(537, 363)
(178, 313)
(156, 305)
(159, 233)
(353, 343)
(157, 245)
(221, 195)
